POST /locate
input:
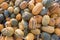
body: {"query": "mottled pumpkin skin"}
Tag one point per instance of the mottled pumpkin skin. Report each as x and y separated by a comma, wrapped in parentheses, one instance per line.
(37, 9)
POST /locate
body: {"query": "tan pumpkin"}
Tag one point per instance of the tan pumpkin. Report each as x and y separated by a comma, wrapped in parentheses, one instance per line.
(4, 5)
(30, 36)
(37, 9)
(57, 31)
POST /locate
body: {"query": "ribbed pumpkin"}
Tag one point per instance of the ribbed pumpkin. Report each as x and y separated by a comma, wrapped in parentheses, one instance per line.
(37, 9)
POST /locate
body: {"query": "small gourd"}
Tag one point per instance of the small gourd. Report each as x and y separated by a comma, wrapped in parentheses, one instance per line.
(23, 5)
(45, 36)
(30, 36)
(48, 29)
(14, 22)
(19, 33)
(26, 16)
(45, 20)
(16, 10)
(4, 5)
(36, 31)
(8, 31)
(10, 9)
(32, 23)
(37, 9)
(18, 17)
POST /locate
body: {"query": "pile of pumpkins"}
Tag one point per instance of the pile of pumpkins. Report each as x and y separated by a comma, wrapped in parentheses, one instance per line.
(29, 19)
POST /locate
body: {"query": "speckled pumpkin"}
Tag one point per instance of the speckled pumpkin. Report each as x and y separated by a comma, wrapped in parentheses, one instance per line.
(1, 26)
(4, 5)
(9, 38)
(23, 4)
(14, 22)
(57, 31)
(8, 31)
(37, 9)
(48, 29)
(19, 33)
(26, 16)
(45, 20)
(32, 23)
(18, 17)
(30, 36)
(36, 31)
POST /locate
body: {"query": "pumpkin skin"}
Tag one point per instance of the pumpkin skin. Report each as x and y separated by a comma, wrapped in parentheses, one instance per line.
(19, 33)
(48, 29)
(10, 9)
(45, 20)
(2, 1)
(45, 36)
(30, 36)
(4, 5)
(57, 31)
(37, 9)
(18, 17)
(37, 1)
(9, 38)
(23, 5)
(1, 27)
(26, 16)
(36, 31)
(33, 23)
(8, 31)
(31, 5)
